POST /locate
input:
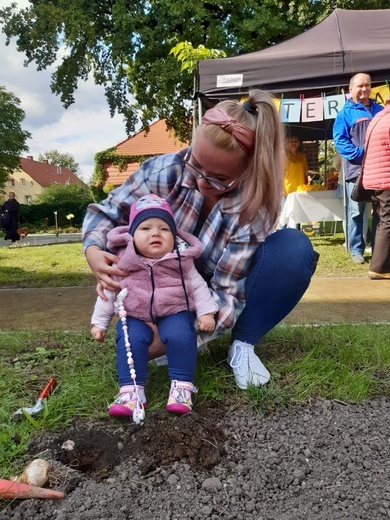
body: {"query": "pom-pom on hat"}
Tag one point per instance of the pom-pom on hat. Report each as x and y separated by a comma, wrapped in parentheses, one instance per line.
(151, 206)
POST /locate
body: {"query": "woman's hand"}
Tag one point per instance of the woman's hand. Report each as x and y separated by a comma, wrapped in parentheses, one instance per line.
(103, 266)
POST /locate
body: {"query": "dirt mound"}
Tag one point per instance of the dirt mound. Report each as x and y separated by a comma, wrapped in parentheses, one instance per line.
(97, 448)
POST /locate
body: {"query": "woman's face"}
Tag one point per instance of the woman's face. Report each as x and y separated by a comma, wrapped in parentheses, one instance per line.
(222, 165)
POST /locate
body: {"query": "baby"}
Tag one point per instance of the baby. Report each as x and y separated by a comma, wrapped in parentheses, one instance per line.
(162, 292)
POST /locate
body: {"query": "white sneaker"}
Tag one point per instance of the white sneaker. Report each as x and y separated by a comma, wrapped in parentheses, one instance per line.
(247, 367)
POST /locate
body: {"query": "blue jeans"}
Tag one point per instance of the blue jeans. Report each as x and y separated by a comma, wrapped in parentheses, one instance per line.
(281, 272)
(356, 216)
(175, 332)
(357, 223)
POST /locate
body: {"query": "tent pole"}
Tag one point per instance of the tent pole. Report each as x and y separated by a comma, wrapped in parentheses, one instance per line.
(326, 166)
(326, 158)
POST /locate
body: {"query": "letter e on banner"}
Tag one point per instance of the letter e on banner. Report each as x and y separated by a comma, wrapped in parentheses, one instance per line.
(312, 110)
(333, 105)
(290, 110)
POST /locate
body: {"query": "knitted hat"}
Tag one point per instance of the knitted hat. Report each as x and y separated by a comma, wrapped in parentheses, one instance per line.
(151, 206)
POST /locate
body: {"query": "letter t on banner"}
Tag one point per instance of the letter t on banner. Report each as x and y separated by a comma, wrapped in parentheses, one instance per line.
(290, 110)
(312, 110)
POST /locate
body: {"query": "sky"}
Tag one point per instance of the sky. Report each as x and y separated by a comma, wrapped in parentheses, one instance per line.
(82, 130)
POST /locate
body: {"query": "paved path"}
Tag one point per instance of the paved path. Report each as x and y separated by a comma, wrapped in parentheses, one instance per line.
(343, 300)
(328, 300)
(43, 240)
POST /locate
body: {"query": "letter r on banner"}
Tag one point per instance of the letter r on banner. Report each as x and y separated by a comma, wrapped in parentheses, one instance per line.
(333, 105)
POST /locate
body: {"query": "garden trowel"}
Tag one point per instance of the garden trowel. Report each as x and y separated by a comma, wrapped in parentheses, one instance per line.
(38, 406)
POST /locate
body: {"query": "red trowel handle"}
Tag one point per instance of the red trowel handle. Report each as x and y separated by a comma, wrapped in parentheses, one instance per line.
(48, 388)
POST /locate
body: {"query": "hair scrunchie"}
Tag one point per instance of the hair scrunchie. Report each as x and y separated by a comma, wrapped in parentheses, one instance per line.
(249, 108)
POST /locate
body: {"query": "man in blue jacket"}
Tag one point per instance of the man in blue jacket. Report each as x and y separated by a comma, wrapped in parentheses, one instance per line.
(349, 132)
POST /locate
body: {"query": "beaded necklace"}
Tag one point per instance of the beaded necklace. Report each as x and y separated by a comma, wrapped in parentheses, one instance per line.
(139, 410)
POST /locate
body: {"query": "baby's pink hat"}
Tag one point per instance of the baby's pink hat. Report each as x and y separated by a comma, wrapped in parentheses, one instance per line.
(151, 206)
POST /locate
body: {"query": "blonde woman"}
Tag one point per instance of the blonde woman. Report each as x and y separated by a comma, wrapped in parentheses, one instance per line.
(226, 189)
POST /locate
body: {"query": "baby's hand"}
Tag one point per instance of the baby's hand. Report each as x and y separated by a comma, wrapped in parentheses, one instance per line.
(206, 322)
(97, 333)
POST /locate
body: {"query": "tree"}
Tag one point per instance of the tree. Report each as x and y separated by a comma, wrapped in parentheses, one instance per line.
(12, 137)
(125, 44)
(76, 194)
(64, 160)
(189, 57)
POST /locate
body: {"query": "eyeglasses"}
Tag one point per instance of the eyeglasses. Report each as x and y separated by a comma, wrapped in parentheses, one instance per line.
(214, 183)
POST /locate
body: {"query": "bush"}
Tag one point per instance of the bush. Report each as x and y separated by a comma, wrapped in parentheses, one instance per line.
(40, 215)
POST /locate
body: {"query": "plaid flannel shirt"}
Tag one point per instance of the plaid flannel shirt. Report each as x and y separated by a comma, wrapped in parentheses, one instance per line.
(228, 248)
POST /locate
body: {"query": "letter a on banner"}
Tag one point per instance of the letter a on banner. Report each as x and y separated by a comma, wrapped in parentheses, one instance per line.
(290, 110)
(333, 105)
(380, 94)
(312, 110)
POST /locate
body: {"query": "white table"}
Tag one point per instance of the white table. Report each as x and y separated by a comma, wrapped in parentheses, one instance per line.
(311, 206)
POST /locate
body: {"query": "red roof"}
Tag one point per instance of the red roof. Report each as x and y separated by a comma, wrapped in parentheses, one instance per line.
(46, 174)
(158, 141)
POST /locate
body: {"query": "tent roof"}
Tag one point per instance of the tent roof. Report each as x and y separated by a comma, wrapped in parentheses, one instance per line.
(320, 59)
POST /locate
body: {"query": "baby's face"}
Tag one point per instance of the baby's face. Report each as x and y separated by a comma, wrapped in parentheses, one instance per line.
(153, 238)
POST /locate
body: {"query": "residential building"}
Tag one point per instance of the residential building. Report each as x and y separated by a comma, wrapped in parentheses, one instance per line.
(158, 141)
(32, 177)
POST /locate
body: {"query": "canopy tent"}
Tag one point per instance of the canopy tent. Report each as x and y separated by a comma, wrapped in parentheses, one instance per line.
(319, 61)
(314, 62)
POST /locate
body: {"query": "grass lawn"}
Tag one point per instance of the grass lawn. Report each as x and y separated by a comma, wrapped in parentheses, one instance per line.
(334, 362)
(64, 265)
(57, 265)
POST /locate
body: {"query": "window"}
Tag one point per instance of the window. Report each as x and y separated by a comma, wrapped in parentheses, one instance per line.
(27, 199)
(31, 183)
(23, 182)
(11, 183)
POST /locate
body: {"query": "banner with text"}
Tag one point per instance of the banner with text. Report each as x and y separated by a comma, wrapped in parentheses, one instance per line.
(305, 110)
